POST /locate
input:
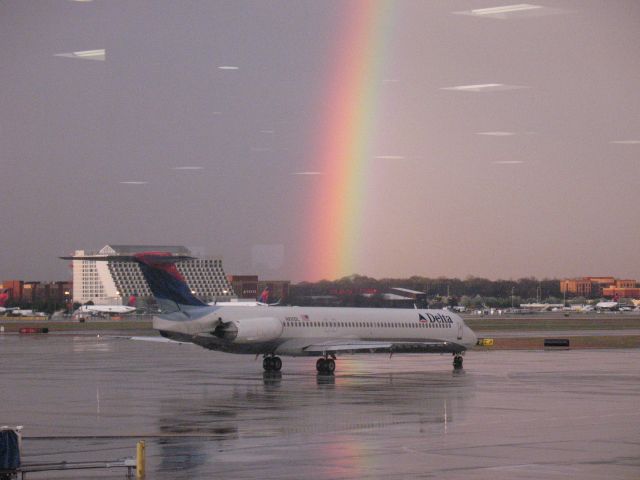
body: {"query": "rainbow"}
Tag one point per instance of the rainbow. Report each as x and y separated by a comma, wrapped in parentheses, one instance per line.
(344, 146)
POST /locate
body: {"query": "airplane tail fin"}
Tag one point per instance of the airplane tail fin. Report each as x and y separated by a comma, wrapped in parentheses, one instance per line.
(167, 284)
(132, 300)
(4, 296)
(264, 296)
(164, 279)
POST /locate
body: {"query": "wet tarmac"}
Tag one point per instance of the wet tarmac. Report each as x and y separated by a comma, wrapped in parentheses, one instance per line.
(507, 415)
(557, 333)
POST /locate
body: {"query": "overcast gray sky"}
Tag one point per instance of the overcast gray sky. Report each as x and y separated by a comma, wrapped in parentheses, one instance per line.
(535, 173)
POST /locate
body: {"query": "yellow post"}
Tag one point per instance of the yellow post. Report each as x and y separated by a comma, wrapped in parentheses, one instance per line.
(140, 460)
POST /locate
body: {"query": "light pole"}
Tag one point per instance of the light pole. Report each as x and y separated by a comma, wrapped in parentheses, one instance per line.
(67, 302)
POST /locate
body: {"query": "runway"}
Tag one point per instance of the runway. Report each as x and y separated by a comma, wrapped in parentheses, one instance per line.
(508, 414)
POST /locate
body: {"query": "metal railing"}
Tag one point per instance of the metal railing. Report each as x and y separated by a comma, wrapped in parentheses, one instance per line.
(132, 465)
(21, 472)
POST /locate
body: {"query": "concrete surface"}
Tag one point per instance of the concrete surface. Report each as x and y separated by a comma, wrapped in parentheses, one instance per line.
(508, 415)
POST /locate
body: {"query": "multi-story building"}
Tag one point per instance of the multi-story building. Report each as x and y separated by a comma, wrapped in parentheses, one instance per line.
(600, 287)
(30, 292)
(622, 289)
(245, 286)
(109, 282)
(628, 283)
(15, 289)
(278, 290)
(249, 286)
(598, 284)
(576, 286)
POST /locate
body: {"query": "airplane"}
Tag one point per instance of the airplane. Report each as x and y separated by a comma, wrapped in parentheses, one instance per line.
(293, 331)
(85, 310)
(26, 313)
(611, 306)
(108, 309)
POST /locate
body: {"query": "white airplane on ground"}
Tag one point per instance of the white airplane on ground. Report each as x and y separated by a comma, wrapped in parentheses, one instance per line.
(108, 309)
(607, 306)
(19, 312)
(85, 310)
(294, 331)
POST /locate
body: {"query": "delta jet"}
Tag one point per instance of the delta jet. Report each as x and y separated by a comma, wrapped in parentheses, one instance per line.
(324, 332)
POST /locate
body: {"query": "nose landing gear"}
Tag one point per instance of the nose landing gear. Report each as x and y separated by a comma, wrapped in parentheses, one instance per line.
(457, 362)
(271, 364)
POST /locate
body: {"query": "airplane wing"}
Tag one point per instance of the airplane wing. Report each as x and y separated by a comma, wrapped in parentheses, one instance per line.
(358, 346)
(155, 340)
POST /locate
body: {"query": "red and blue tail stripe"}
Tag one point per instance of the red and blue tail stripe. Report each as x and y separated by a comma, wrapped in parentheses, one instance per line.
(164, 279)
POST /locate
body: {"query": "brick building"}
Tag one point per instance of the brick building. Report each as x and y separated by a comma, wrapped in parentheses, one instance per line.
(596, 287)
(249, 286)
(30, 292)
(245, 286)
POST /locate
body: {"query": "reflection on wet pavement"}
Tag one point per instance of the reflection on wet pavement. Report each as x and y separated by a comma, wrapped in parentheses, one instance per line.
(203, 414)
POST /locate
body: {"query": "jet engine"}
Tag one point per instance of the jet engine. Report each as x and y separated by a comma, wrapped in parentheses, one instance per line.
(250, 330)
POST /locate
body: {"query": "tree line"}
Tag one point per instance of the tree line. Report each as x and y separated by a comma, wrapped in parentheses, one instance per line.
(470, 292)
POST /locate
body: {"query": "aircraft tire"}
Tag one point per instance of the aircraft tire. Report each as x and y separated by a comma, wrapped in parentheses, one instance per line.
(330, 365)
(267, 364)
(276, 364)
(320, 365)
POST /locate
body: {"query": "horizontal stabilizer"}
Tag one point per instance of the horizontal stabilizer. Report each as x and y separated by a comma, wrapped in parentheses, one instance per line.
(157, 257)
(156, 340)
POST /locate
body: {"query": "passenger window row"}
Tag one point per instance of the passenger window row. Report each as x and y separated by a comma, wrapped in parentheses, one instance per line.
(289, 323)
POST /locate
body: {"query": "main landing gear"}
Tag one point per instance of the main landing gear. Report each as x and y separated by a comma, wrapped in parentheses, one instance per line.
(457, 361)
(326, 365)
(272, 364)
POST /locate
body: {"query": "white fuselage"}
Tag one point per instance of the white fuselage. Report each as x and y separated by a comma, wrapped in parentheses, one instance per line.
(291, 330)
(25, 313)
(122, 309)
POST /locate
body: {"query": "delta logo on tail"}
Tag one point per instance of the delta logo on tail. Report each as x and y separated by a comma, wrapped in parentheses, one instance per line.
(264, 296)
(132, 300)
(164, 279)
(4, 296)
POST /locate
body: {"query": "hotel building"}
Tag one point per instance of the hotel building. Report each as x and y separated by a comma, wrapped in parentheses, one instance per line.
(111, 282)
